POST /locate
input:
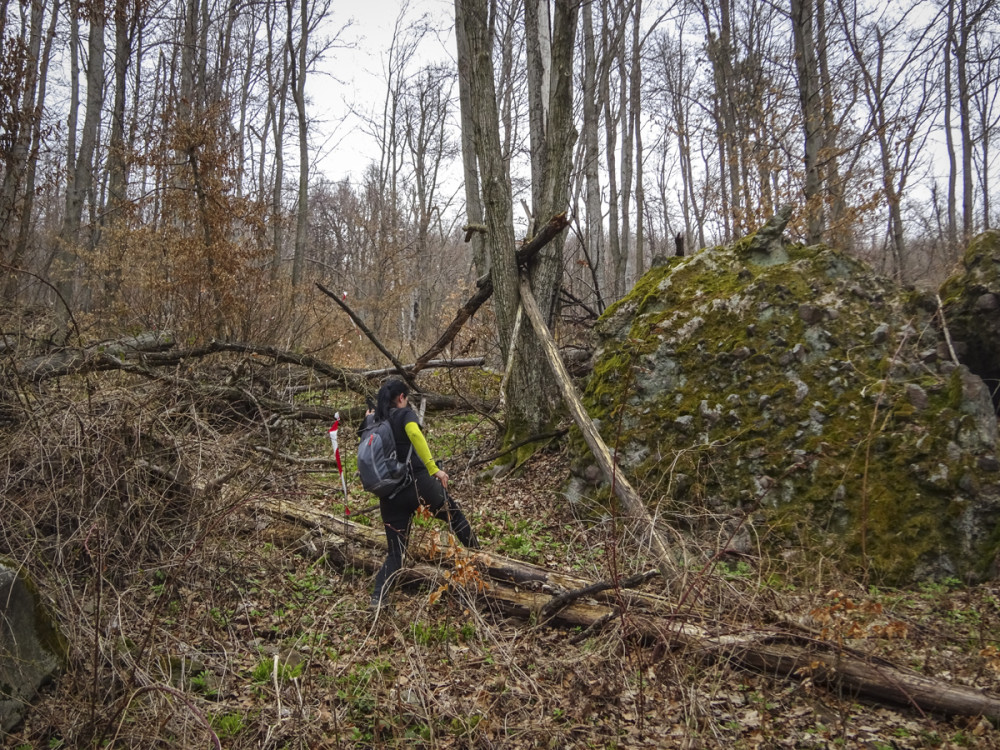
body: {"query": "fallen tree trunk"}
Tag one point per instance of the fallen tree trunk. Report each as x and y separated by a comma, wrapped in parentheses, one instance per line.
(524, 590)
(630, 499)
(103, 356)
(496, 567)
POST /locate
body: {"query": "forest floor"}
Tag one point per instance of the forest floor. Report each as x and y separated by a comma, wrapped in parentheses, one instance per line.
(248, 641)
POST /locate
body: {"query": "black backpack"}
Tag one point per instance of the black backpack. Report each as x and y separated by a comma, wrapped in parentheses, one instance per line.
(382, 473)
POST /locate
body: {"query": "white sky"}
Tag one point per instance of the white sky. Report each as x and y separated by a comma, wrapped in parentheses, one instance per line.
(356, 77)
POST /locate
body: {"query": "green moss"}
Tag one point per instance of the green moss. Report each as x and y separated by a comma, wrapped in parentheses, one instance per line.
(733, 395)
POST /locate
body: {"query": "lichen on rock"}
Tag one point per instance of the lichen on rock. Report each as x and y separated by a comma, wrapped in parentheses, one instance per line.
(810, 395)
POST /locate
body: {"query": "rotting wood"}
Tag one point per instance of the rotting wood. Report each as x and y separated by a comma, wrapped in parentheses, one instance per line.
(784, 654)
(630, 499)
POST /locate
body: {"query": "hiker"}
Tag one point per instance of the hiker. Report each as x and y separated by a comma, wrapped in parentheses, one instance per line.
(429, 486)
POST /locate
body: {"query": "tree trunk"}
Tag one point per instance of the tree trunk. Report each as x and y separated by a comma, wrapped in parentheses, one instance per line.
(639, 516)
(594, 237)
(532, 409)
(635, 126)
(82, 169)
(473, 15)
(840, 232)
(276, 115)
(473, 200)
(297, 57)
(802, 15)
(950, 41)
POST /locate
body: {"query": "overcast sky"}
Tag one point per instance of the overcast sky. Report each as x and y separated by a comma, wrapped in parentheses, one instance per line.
(356, 77)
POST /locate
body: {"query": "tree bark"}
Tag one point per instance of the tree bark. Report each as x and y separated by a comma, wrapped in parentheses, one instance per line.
(802, 14)
(81, 171)
(473, 200)
(594, 237)
(297, 56)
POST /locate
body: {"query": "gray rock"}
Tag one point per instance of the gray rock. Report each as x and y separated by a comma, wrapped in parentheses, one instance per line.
(845, 410)
(32, 650)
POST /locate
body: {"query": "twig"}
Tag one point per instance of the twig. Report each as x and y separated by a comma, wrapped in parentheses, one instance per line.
(944, 328)
(558, 602)
(594, 627)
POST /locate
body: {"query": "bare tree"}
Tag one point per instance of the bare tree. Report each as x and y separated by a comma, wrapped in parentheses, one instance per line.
(81, 161)
(897, 74)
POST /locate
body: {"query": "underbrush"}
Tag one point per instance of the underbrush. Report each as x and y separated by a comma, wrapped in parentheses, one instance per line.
(196, 620)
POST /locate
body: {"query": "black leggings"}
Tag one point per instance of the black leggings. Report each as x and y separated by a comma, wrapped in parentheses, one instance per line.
(397, 514)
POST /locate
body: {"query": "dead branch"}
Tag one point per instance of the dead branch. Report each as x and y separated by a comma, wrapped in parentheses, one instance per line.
(432, 365)
(406, 375)
(485, 289)
(633, 504)
(565, 599)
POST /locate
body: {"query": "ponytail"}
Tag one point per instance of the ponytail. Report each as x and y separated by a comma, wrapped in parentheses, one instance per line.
(387, 395)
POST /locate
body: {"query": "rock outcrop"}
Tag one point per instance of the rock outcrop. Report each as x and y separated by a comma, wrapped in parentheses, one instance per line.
(792, 394)
(971, 301)
(31, 648)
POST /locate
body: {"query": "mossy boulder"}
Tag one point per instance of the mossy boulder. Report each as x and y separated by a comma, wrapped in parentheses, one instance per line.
(797, 392)
(32, 649)
(971, 300)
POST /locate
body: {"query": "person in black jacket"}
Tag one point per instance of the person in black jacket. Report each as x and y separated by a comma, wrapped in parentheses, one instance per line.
(429, 487)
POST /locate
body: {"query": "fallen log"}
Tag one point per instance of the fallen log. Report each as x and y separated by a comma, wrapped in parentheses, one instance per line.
(102, 356)
(630, 499)
(497, 568)
(783, 654)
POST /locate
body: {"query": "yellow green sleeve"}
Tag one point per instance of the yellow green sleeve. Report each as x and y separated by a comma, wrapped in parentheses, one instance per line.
(420, 446)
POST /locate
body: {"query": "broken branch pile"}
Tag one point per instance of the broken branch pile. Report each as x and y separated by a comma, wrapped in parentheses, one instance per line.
(527, 590)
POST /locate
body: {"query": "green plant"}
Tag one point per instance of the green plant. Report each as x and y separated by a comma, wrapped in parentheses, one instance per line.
(227, 725)
(740, 571)
(425, 634)
(202, 682)
(264, 671)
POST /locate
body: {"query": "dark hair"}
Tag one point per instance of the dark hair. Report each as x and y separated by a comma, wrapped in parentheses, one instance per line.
(387, 396)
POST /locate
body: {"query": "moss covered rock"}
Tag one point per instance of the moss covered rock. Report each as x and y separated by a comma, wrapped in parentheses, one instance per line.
(801, 391)
(32, 649)
(971, 301)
